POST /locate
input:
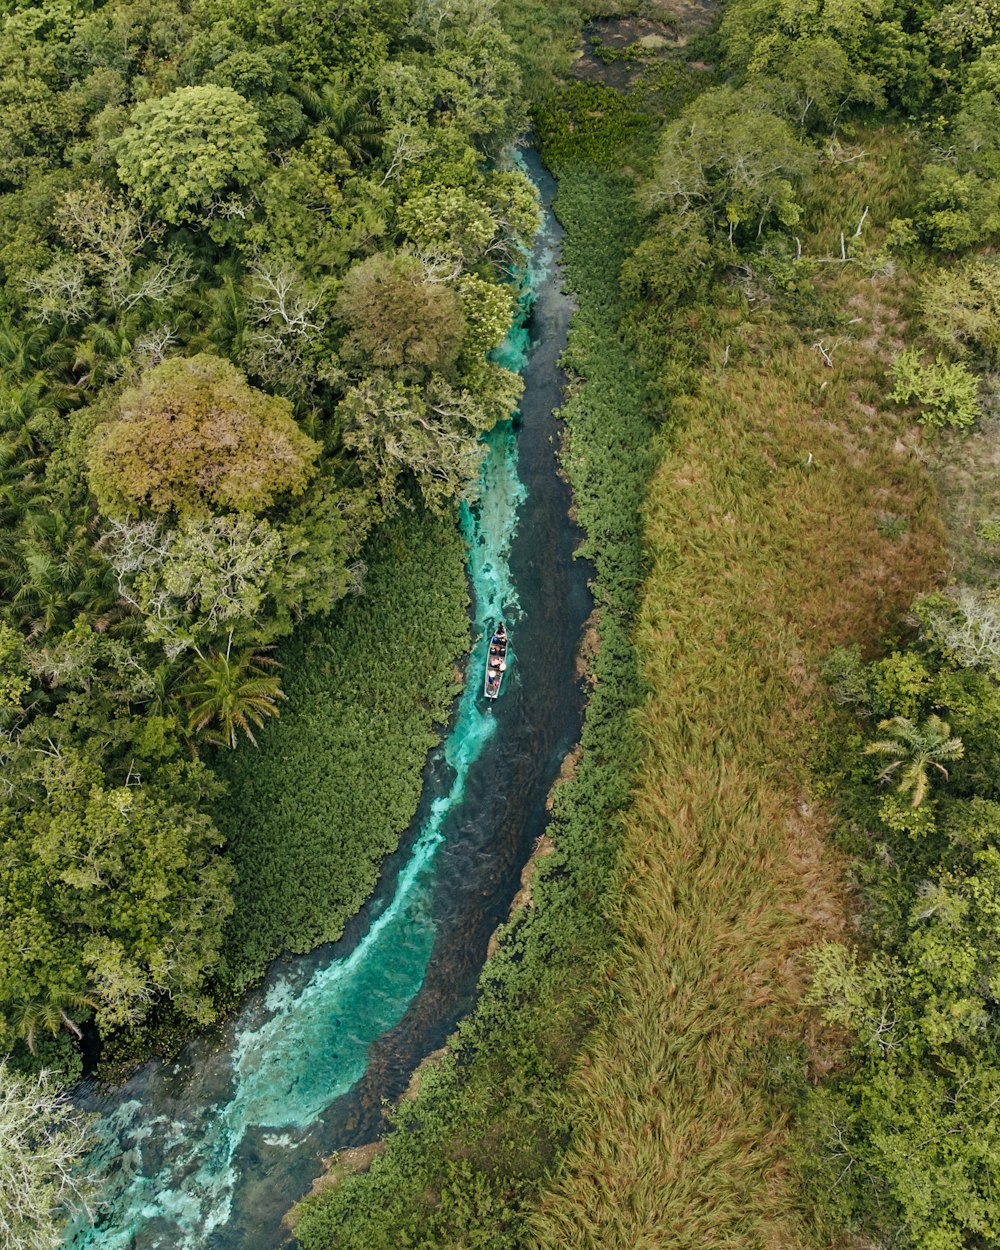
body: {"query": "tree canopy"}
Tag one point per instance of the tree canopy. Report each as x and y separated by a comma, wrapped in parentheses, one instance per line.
(254, 259)
(183, 153)
(193, 437)
(397, 319)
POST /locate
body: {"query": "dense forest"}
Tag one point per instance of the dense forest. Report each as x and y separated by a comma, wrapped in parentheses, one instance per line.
(256, 258)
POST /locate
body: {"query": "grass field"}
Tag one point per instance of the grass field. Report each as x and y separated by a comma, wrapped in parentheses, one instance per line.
(791, 511)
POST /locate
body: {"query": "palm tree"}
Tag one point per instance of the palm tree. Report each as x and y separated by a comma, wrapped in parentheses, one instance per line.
(915, 749)
(103, 354)
(59, 576)
(164, 698)
(52, 1012)
(23, 350)
(29, 412)
(344, 114)
(224, 321)
(226, 694)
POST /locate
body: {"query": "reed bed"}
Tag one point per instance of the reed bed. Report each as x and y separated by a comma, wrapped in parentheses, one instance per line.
(767, 534)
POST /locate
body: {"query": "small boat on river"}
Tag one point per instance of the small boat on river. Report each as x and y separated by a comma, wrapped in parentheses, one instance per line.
(496, 661)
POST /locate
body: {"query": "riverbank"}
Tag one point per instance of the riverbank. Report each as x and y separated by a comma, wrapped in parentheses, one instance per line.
(487, 1125)
(767, 530)
(632, 1072)
(310, 819)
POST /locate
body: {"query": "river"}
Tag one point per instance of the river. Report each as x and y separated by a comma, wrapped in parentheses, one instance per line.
(208, 1152)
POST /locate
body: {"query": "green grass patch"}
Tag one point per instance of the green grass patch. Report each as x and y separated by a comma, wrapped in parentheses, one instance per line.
(309, 817)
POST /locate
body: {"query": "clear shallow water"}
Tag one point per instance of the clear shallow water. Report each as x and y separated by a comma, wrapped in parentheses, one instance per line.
(208, 1153)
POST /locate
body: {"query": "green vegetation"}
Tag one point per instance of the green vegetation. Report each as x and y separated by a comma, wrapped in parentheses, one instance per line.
(909, 1128)
(946, 390)
(308, 820)
(40, 1143)
(211, 218)
(254, 260)
(184, 152)
(193, 437)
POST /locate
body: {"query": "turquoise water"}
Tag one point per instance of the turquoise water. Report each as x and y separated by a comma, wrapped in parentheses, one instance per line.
(201, 1153)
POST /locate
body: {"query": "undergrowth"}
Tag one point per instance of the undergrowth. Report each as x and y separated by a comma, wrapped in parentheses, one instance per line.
(309, 818)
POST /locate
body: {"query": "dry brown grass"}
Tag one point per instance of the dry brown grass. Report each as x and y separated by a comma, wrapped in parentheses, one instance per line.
(762, 561)
(967, 466)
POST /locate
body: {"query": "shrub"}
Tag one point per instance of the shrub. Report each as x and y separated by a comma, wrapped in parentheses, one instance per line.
(946, 390)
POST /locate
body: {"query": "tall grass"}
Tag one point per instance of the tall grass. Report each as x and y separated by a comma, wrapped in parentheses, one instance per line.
(767, 533)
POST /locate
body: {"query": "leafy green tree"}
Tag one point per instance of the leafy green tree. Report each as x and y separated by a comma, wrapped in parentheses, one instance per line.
(397, 431)
(228, 694)
(397, 319)
(36, 115)
(914, 749)
(489, 313)
(317, 36)
(911, 1133)
(42, 1140)
(731, 158)
(449, 229)
(205, 578)
(961, 310)
(184, 153)
(14, 680)
(957, 209)
(756, 32)
(192, 438)
(820, 80)
(111, 889)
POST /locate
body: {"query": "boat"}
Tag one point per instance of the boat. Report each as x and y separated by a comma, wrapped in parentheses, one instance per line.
(496, 661)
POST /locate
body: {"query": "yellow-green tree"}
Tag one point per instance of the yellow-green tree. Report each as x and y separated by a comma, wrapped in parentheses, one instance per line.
(913, 750)
(188, 150)
(194, 438)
